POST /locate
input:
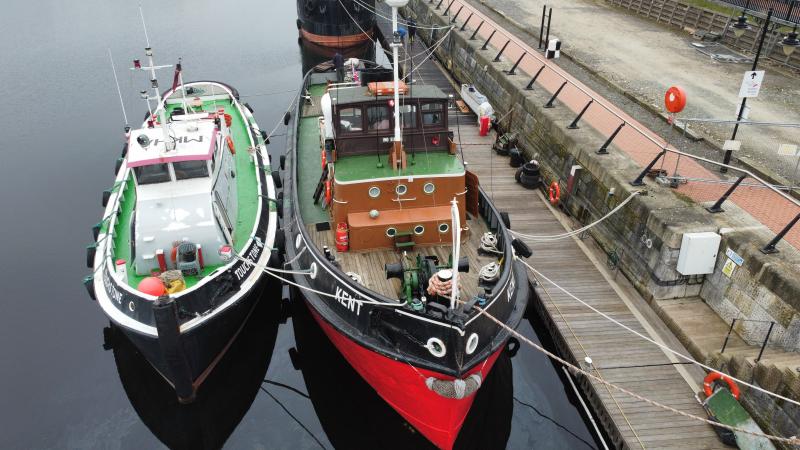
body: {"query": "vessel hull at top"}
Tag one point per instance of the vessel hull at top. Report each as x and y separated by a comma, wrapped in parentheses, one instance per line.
(336, 24)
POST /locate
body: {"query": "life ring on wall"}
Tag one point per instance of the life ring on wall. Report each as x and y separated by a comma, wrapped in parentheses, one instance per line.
(328, 193)
(555, 193)
(711, 378)
(231, 147)
(675, 99)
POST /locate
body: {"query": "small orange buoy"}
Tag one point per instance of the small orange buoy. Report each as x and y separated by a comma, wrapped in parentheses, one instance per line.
(342, 239)
(675, 99)
(555, 193)
(152, 286)
(323, 159)
(708, 384)
(231, 147)
(328, 193)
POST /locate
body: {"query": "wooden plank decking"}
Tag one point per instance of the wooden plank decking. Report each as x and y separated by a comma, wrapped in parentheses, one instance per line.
(631, 422)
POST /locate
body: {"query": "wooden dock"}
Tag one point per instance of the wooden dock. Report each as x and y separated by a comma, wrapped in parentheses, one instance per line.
(618, 356)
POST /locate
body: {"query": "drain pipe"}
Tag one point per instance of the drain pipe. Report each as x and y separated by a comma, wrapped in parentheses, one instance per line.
(165, 311)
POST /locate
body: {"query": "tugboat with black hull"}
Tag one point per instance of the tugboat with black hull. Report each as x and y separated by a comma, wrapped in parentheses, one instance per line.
(336, 23)
(395, 246)
(190, 219)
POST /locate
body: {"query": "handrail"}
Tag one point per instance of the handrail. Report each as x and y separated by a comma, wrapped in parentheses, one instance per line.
(740, 122)
(602, 102)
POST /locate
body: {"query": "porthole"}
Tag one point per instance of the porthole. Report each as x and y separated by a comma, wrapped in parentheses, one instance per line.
(436, 347)
(391, 232)
(401, 189)
(419, 229)
(443, 227)
(472, 343)
(374, 191)
(428, 188)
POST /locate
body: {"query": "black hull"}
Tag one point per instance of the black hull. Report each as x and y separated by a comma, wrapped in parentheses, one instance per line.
(202, 346)
(397, 332)
(328, 18)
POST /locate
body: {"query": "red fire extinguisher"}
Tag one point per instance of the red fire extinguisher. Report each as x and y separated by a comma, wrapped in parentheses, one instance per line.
(342, 238)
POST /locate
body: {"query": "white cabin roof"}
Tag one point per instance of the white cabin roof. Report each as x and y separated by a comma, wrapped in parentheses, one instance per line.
(194, 141)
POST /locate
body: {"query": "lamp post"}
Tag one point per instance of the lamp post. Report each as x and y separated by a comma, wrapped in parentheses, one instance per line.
(739, 29)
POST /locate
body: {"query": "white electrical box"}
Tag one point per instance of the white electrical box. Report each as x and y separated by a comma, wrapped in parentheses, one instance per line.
(698, 253)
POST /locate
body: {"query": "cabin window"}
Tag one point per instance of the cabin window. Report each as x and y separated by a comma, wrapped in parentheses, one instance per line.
(350, 120)
(419, 229)
(401, 189)
(408, 114)
(378, 118)
(428, 188)
(185, 170)
(391, 232)
(443, 227)
(432, 115)
(374, 191)
(152, 174)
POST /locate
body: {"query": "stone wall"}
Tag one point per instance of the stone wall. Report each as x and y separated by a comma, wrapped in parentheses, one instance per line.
(644, 238)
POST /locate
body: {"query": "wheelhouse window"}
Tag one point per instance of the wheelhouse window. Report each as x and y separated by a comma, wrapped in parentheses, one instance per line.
(432, 115)
(152, 174)
(350, 120)
(408, 115)
(378, 118)
(185, 170)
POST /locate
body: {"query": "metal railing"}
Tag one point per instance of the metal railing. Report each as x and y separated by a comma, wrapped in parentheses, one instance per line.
(788, 10)
(554, 79)
(763, 343)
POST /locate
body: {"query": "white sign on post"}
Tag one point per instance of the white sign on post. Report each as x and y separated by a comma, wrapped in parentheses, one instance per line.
(751, 83)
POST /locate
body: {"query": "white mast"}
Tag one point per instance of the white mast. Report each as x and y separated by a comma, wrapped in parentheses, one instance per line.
(162, 113)
(456, 232)
(398, 137)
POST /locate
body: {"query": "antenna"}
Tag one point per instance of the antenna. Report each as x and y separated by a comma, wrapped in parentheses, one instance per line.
(119, 91)
(144, 25)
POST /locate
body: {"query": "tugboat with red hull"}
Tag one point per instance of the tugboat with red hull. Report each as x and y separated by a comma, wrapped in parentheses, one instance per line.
(395, 248)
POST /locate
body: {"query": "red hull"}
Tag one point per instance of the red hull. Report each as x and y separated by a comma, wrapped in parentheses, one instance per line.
(402, 386)
(336, 41)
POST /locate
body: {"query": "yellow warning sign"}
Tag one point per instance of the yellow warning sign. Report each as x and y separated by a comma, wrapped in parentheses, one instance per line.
(729, 267)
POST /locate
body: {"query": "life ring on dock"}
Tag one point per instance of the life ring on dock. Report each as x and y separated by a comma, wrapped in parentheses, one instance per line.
(713, 377)
(231, 147)
(328, 193)
(555, 193)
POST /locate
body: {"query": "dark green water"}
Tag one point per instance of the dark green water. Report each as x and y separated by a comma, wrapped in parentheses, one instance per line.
(62, 131)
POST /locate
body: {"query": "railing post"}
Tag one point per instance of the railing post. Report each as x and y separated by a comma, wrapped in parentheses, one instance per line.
(547, 36)
(541, 27)
(472, 38)
(497, 58)
(604, 149)
(529, 87)
(770, 247)
(574, 124)
(728, 336)
(444, 14)
(514, 68)
(439, 4)
(490, 38)
(549, 103)
(717, 207)
(639, 181)
(453, 20)
(463, 27)
(764, 345)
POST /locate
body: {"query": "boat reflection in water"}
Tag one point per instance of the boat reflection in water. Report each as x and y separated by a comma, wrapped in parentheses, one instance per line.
(221, 401)
(354, 416)
(314, 54)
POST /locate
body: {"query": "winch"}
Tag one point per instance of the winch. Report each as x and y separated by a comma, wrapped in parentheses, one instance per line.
(415, 277)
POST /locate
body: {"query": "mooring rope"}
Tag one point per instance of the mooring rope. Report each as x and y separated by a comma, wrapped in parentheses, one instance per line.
(578, 231)
(791, 440)
(662, 346)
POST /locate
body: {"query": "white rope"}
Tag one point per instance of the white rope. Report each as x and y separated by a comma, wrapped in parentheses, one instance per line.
(664, 347)
(354, 20)
(401, 22)
(578, 231)
(428, 53)
(274, 273)
(792, 440)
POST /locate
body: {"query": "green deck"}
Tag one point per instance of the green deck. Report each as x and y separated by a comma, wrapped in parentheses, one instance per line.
(309, 170)
(247, 190)
(365, 167)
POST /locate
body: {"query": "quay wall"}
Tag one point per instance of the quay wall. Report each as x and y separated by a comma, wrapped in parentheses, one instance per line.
(643, 240)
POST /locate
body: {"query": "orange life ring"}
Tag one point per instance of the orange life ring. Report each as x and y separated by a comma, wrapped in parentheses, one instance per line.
(323, 159)
(708, 384)
(555, 193)
(231, 147)
(675, 99)
(328, 193)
